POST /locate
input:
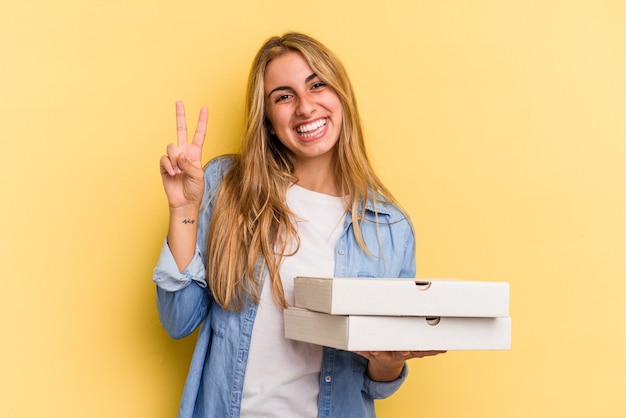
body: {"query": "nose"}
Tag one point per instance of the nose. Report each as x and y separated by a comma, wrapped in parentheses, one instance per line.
(306, 106)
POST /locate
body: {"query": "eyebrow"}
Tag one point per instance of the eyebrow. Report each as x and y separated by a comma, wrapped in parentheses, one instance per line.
(309, 78)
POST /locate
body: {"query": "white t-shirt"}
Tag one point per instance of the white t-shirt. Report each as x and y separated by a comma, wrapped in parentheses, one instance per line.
(282, 376)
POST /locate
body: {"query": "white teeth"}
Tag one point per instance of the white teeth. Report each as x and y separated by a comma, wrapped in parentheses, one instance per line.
(311, 128)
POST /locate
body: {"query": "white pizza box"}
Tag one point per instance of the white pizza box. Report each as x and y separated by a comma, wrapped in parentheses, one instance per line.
(393, 296)
(397, 333)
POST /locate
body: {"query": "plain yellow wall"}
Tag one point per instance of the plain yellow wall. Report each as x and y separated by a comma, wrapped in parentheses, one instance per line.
(500, 125)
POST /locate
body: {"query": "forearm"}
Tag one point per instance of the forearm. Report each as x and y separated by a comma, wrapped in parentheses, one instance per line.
(182, 234)
(384, 372)
(381, 389)
(386, 366)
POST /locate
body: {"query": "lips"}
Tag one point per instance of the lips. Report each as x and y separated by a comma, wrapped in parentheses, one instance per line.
(312, 129)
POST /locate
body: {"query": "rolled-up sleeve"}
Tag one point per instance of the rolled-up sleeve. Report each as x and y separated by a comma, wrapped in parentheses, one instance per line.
(169, 278)
(182, 299)
(381, 390)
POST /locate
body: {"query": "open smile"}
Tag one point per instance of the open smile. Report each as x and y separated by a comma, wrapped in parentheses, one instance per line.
(312, 129)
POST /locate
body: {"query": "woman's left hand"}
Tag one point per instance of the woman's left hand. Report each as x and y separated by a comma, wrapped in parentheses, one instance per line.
(386, 366)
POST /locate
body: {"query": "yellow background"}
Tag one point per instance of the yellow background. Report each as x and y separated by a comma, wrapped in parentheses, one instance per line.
(500, 125)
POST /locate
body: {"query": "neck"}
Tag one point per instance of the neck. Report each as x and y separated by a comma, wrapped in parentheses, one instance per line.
(318, 177)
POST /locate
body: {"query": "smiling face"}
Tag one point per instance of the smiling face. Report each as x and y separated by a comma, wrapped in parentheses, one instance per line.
(304, 113)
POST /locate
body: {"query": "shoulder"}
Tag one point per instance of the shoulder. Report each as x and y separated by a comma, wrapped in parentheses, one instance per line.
(218, 167)
(214, 172)
(383, 208)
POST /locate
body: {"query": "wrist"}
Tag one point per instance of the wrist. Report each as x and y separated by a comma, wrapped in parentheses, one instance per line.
(189, 211)
(387, 373)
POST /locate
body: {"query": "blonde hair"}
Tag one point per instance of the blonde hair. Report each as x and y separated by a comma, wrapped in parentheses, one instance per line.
(251, 226)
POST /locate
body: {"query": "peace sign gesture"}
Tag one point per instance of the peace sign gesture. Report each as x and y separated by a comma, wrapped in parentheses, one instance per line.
(181, 168)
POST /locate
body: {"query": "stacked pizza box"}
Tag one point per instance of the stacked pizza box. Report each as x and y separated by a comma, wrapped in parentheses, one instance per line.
(390, 314)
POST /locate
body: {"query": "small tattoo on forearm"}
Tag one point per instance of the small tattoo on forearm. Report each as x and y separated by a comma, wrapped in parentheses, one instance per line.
(189, 221)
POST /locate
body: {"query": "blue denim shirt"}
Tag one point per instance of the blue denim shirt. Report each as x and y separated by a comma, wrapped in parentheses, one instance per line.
(214, 384)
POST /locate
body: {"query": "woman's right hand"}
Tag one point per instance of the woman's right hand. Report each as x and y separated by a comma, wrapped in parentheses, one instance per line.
(181, 168)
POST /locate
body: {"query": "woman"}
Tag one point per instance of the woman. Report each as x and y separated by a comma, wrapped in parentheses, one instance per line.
(300, 198)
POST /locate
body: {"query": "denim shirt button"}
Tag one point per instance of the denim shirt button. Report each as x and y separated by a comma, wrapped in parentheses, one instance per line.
(341, 252)
(327, 379)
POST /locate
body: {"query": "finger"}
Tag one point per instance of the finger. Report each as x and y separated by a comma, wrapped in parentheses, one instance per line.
(188, 167)
(429, 353)
(181, 123)
(173, 155)
(183, 162)
(166, 166)
(200, 134)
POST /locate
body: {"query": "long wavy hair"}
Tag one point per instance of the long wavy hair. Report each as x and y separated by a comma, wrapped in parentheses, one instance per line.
(251, 227)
